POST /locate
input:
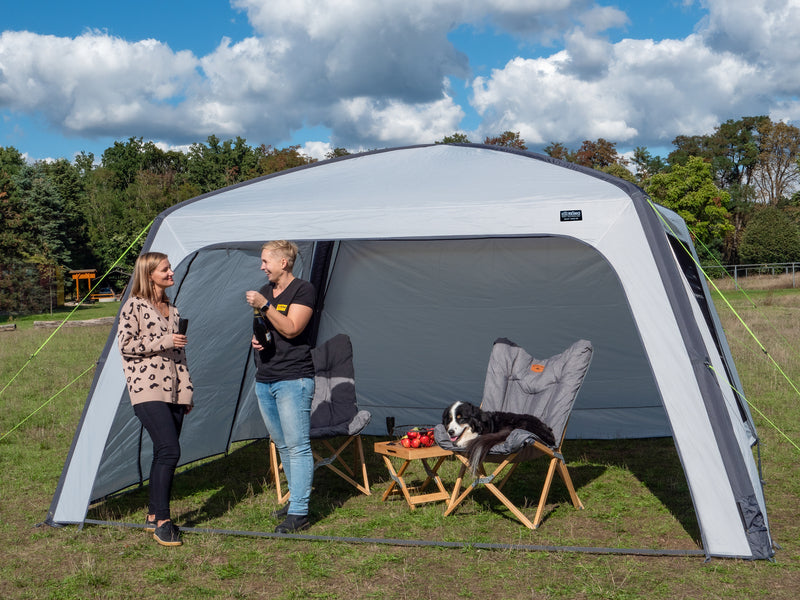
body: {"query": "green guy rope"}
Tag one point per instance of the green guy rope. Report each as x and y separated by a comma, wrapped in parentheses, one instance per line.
(700, 268)
(60, 325)
(744, 292)
(761, 414)
(49, 400)
(738, 316)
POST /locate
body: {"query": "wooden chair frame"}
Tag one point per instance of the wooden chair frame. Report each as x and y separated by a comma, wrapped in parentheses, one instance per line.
(329, 461)
(335, 386)
(556, 464)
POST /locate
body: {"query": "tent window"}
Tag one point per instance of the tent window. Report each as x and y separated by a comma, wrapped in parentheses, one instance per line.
(693, 276)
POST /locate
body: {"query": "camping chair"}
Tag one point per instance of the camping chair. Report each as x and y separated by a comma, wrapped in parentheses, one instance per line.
(519, 383)
(334, 413)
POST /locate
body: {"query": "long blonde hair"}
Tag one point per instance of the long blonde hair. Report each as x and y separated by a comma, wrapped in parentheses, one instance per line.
(285, 249)
(142, 286)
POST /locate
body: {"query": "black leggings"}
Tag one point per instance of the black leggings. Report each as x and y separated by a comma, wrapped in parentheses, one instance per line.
(163, 421)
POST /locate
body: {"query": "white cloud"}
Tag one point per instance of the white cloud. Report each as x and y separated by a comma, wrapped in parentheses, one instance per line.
(643, 92)
(316, 150)
(601, 18)
(375, 74)
(763, 32)
(93, 82)
(367, 124)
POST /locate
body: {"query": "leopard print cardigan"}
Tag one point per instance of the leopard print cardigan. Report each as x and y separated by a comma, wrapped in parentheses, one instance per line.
(154, 369)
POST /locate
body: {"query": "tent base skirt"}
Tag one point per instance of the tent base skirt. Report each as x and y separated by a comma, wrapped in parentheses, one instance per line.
(421, 543)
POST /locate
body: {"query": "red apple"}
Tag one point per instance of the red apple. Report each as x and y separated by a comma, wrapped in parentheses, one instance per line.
(424, 440)
(405, 442)
(415, 443)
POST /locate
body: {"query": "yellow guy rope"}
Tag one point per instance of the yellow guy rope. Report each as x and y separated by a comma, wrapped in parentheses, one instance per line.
(53, 397)
(761, 414)
(747, 328)
(39, 349)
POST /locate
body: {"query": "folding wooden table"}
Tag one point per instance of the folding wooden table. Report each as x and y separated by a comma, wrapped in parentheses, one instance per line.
(394, 449)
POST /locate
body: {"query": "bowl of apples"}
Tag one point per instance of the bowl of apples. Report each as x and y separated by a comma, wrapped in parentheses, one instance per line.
(419, 436)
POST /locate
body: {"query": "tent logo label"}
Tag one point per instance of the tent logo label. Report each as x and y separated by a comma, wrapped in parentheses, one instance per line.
(571, 215)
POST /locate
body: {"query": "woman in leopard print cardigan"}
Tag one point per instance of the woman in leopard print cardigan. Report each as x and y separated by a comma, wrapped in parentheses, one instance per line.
(160, 390)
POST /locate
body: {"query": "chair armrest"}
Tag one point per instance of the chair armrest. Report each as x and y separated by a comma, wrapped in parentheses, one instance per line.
(443, 439)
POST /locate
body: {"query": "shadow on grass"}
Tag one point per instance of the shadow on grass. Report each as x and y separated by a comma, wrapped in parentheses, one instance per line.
(653, 462)
(222, 483)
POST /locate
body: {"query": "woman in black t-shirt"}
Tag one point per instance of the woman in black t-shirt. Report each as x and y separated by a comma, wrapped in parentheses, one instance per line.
(285, 374)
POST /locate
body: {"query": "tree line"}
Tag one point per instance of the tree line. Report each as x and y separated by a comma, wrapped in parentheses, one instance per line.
(736, 188)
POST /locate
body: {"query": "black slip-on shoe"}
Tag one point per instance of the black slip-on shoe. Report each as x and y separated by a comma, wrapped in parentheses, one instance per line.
(167, 534)
(293, 524)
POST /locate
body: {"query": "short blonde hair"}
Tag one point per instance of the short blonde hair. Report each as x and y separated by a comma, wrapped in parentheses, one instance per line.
(142, 285)
(285, 249)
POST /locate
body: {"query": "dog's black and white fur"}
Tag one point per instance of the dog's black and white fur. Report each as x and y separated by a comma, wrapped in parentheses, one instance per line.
(478, 430)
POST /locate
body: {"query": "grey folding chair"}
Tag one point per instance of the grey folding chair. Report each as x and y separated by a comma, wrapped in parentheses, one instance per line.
(518, 383)
(334, 413)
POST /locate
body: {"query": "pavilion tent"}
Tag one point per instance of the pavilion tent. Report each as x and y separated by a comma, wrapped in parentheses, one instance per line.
(424, 256)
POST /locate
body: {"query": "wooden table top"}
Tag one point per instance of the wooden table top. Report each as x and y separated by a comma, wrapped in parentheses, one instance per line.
(395, 448)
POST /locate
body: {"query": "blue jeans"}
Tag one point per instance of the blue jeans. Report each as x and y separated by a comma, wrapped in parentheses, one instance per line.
(286, 409)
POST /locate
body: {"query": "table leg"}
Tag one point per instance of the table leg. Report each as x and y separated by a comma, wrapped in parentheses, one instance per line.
(397, 478)
(433, 474)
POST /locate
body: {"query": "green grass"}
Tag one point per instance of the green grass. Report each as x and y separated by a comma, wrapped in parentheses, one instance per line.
(634, 492)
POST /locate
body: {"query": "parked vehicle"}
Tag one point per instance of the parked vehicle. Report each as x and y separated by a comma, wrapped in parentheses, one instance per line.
(104, 294)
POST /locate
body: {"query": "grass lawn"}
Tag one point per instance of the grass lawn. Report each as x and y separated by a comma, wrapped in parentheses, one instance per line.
(634, 492)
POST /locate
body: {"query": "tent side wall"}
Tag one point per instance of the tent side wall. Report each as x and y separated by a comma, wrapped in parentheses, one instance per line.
(730, 443)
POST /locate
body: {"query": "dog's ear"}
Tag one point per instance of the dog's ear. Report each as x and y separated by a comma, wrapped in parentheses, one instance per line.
(486, 422)
(477, 420)
(474, 423)
(446, 416)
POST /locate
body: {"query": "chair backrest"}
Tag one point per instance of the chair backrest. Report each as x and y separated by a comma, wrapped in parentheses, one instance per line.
(518, 383)
(334, 400)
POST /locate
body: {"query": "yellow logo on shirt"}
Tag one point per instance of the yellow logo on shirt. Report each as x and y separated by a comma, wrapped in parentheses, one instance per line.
(282, 307)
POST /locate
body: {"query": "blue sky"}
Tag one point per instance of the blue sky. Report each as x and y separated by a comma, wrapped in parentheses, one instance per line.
(361, 74)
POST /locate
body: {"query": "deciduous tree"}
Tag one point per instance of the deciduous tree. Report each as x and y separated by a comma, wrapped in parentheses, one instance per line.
(271, 160)
(776, 174)
(559, 151)
(646, 165)
(690, 191)
(507, 139)
(337, 152)
(733, 150)
(599, 154)
(770, 236)
(124, 160)
(456, 138)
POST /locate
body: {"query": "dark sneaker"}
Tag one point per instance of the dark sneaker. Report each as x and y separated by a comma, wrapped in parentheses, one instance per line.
(281, 512)
(167, 534)
(149, 526)
(293, 524)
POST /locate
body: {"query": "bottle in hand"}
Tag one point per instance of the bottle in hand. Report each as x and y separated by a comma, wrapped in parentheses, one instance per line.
(260, 330)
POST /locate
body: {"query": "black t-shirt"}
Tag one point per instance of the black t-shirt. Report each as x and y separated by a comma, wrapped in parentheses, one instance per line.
(285, 359)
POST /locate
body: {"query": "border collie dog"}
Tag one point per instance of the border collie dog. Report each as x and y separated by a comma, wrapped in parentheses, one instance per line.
(476, 430)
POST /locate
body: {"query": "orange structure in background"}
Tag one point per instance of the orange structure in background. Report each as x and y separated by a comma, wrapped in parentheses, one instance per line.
(88, 275)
